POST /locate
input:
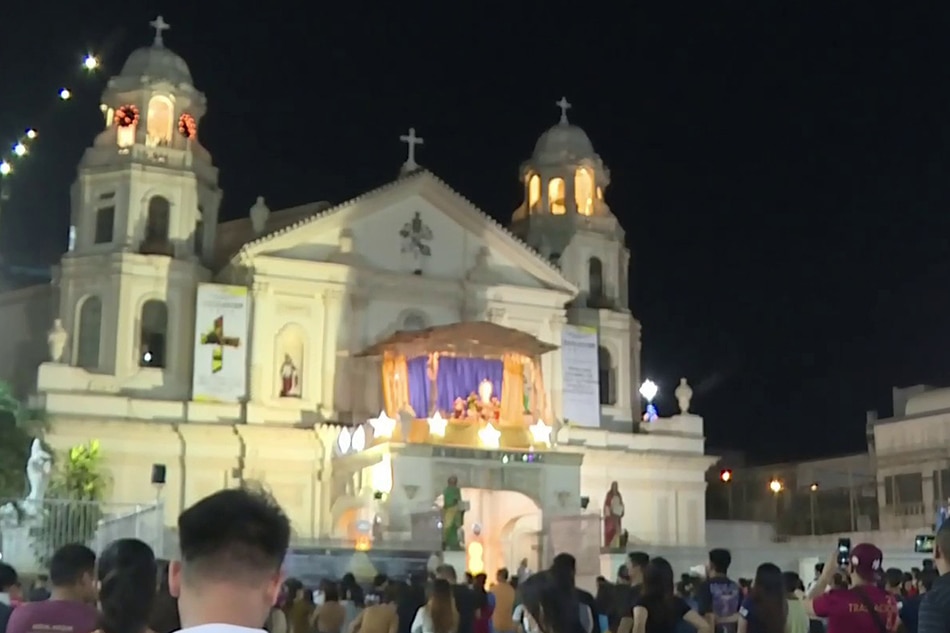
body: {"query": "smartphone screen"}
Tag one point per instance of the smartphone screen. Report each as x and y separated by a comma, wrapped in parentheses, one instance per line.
(844, 549)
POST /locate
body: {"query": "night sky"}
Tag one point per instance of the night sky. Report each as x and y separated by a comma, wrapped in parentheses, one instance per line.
(781, 168)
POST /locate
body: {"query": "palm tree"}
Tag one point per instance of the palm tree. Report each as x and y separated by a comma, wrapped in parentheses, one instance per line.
(18, 425)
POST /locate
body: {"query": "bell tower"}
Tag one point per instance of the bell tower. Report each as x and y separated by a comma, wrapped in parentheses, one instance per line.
(144, 211)
(566, 218)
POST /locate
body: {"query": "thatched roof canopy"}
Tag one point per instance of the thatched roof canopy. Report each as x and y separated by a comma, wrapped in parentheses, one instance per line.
(479, 339)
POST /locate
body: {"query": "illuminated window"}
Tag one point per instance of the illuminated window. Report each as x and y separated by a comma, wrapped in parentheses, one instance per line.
(90, 327)
(584, 191)
(153, 331)
(534, 192)
(159, 121)
(125, 136)
(600, 193)
(556, 196)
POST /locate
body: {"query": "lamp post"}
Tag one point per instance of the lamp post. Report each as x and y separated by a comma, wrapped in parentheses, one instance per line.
(812, 500)
(776, 487)
(726, 478)
(648, 390)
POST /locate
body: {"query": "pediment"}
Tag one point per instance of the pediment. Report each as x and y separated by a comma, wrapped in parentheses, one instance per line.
(415, 225)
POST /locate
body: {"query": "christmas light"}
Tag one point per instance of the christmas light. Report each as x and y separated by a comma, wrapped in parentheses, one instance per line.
(90, 62)
(65, 94)
(19, 149)
(5, 168)
(31, 134)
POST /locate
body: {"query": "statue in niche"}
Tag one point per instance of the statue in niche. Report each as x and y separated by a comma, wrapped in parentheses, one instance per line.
(453, 515)
(415, 236)
(289, 379)
(613, 517)
(527, 373)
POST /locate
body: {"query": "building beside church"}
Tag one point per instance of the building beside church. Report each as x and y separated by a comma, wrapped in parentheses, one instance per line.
(355, 356)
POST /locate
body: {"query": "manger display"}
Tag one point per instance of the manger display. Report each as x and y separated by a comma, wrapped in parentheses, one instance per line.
(475, 372)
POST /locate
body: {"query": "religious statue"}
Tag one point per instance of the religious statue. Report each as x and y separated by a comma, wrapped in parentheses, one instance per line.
(415, 234)
(56, 339)
(684, 394)
(613, 517)
(527, 372)
(289, 379)
(478, 406)
(39, 467)
(453, 515)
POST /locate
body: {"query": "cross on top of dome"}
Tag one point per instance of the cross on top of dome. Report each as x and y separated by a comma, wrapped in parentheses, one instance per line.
(160, 26)
(565, 105)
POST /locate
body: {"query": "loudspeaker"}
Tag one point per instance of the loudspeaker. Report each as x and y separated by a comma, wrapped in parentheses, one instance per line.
(158, 474)
(377, 495)
(585, 501)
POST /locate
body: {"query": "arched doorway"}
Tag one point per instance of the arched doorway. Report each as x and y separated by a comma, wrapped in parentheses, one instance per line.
(509, 526)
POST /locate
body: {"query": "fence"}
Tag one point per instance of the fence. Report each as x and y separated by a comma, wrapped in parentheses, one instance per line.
(31, 532)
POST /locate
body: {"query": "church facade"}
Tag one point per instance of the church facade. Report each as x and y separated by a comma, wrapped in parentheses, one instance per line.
(242, 350)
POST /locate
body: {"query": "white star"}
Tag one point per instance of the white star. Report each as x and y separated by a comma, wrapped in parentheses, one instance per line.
(540, 433)
(437, 425)
(383, 426)
(489, 436)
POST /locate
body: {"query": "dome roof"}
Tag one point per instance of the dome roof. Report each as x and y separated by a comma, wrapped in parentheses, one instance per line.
(157, 62)
(563, 143)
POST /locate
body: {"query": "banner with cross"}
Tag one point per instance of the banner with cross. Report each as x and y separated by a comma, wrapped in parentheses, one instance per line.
(221, 322)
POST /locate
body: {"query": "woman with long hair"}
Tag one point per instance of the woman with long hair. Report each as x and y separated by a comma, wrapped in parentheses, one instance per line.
(659, 610)
(298, 606)
(438, 615)
(548, 604)
(128, 581)
(329, 617)
(765, 609)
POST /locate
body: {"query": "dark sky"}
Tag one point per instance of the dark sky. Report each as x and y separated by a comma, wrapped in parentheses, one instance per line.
(781, 168)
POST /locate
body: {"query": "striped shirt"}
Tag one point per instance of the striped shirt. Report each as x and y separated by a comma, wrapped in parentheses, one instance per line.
(934, 614)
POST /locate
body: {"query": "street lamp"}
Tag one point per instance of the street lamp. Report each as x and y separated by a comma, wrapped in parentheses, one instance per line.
(776, 486)
(648, 390)
(726, 478)
(812, 500)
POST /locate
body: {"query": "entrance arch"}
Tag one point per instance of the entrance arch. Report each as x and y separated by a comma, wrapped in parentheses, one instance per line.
(509, 526)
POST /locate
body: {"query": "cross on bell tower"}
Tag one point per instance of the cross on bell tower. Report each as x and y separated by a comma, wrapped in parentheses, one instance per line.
(411, 140)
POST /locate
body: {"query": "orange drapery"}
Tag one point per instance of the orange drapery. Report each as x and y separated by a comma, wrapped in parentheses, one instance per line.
(539, 404)
(512, 390)
(395, 384)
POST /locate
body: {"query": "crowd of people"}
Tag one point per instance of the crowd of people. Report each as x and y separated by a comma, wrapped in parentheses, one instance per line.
(229, 580)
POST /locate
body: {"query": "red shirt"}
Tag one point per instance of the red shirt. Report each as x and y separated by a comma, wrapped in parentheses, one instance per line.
(59, 616)
(846, 612)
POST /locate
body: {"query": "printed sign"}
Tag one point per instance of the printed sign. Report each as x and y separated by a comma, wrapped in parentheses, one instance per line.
(220, 369)
(581, 384)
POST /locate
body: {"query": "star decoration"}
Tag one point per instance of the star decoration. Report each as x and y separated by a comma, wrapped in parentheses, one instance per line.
(489, 436)
(437, 425)
(383, 426)
(540, 433)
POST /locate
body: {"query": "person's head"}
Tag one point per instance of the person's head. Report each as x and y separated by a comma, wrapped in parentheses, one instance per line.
(623, 575)
(232, 546)
(72, 572)
(41, 581)
(864, 564)
(469, 578)
(128, 579)
(552, 604)
(446, 573)
(9, 581)
(563, 570)
(502, 575)
(925, 580)
(719, 561)
(331, 592)
(442, 607)
(942, 549)
(793, 583)
(893, 580)
(380, 581)
(769, 594)
(391, 592)
(636, 564)
(819, 569)
(658, 578)
(523, 563)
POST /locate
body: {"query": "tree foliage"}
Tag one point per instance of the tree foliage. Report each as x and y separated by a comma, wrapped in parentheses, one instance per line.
(73, 504)
(18, 426)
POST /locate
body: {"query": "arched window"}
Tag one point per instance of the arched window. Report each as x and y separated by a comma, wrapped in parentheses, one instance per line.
(595, 279)
(156, 226)
(534, 192)
(153, 334)
(413, 322)
(556, 196)
(584, 191)
(159, 121)
(605, 375)
(89, 333)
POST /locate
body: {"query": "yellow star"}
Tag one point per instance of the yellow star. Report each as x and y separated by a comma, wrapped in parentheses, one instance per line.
(437, 425)
(489, 436)
(540, 433)
(383, 426)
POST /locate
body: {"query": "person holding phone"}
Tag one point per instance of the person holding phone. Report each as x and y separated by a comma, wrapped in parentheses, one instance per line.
(862, 607)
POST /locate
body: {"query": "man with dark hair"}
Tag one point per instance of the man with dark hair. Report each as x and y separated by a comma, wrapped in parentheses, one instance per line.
(564, 569)
(504, 603)
(464, 597)
(934, 614)
(9, 588)
(40, 589)
(71, 607)
(718, 598)
(232, 546)
(910, 606)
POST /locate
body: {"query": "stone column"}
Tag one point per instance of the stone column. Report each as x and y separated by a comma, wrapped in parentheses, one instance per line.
(556, 379)
(332, 302)
(355, 367)
(256, 361)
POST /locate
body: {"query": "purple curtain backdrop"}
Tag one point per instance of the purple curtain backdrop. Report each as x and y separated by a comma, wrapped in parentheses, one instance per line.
(459, 377)
(418, 370)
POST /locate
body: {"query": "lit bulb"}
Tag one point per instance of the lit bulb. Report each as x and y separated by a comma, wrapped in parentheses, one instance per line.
(31, 134)
(19, 149)
(90, 62)
(65, 94)
(5, 168)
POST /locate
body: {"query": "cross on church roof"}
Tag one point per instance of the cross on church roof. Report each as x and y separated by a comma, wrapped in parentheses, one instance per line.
(160, 25)
(565, 106)
(411, 140)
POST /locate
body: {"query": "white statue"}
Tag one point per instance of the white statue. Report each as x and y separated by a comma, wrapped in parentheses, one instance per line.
(259, 214)
(406, 416)
(56, 339)
(39, 467)
(684, 394)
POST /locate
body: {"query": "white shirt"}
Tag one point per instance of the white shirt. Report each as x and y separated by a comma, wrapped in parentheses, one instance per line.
(220, 628)
(422, 623)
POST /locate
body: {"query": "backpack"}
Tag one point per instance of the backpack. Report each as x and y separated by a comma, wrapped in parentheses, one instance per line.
(726, 599)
